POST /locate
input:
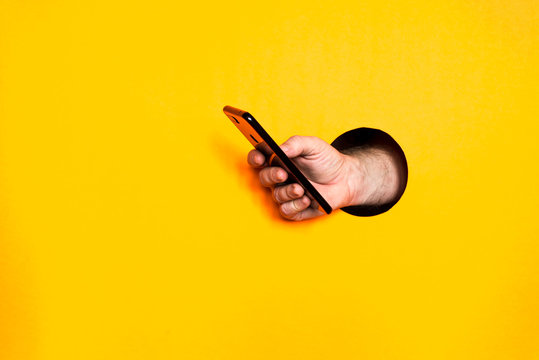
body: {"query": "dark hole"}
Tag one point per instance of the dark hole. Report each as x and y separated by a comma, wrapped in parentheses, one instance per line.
(252, 137)
(236, 120)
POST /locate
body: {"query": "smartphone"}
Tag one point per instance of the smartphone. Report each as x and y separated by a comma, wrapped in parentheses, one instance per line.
(260, 139)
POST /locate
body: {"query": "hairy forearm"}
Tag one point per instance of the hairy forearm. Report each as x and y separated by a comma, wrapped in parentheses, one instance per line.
(376, 175)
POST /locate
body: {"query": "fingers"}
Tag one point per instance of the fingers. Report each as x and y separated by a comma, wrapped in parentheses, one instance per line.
(272, 175)
(255, 158)
(286, 193)
(303, 146)
(293, 207)
(294, 204)
(298, 209)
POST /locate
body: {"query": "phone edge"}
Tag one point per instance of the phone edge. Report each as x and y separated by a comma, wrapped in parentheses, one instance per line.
(286, 160)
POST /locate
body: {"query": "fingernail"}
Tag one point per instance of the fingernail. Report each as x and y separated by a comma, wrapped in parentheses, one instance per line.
(285, 148)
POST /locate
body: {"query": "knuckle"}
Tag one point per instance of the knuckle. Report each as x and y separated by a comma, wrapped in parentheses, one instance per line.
(291, 191)
(295, 190)
(289, 213)
(277, 195)
(263, 176)
(274, 195)
(289, 209)
(297, 217)
(294, 139)
(276, 175)
(299, 204)
(283, 209)
(293, 206)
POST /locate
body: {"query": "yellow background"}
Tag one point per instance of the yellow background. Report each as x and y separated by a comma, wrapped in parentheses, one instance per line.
(132, 228)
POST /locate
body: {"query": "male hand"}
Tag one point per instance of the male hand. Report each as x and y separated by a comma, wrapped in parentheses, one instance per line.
(330, 172)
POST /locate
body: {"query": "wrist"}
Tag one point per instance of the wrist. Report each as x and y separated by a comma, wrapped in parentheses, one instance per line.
(371, 177)
(355, 180)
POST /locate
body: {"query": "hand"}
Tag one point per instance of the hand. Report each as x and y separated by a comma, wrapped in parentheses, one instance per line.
(335, 175)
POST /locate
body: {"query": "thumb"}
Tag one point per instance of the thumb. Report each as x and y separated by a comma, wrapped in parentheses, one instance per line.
(302, 146)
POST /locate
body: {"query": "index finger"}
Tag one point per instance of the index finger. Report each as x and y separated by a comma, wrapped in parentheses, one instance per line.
(256, 158)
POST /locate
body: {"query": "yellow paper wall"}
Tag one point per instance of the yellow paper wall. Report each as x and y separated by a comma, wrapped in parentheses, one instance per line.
(132, 228)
